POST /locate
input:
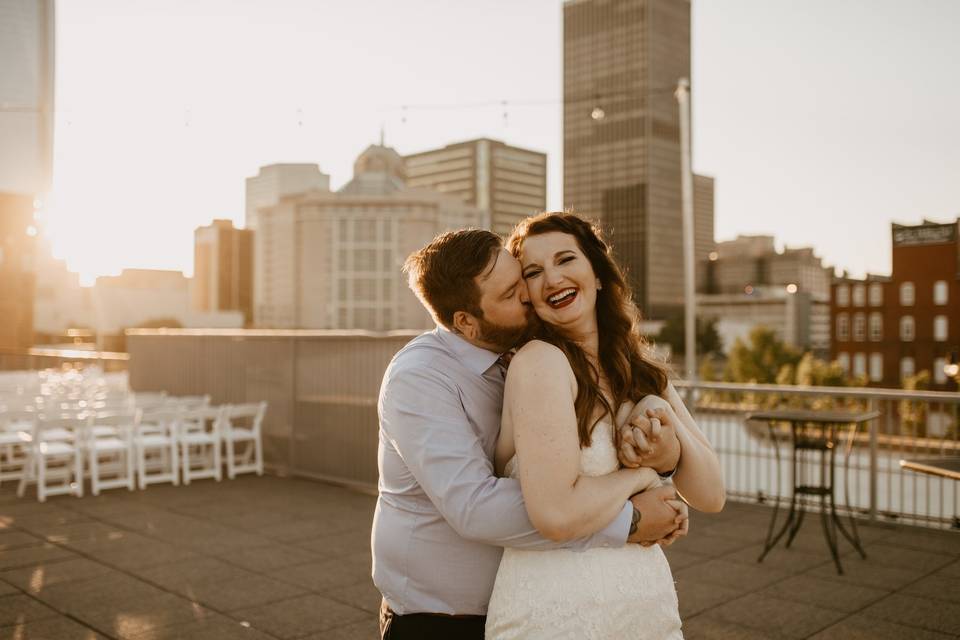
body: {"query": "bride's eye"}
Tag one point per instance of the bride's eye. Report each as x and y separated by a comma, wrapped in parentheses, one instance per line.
(530, 274)
(567, 259)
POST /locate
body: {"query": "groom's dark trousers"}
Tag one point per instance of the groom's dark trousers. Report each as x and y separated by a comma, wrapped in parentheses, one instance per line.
(429, 626)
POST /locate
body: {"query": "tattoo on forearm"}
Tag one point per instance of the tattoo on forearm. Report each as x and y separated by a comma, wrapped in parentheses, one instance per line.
(634, 520)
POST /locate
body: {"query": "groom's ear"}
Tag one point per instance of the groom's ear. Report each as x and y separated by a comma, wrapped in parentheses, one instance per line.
(466, 324)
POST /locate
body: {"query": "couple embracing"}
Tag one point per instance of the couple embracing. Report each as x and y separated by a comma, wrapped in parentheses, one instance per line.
(532, 502)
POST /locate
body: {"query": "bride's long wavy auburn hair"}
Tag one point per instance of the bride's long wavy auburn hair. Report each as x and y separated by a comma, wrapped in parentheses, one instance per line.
(628, 365)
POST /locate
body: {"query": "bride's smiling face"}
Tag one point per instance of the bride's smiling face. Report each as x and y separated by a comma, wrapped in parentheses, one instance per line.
(560, 281)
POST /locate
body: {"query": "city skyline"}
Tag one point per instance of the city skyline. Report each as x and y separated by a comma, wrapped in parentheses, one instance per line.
(852, 134)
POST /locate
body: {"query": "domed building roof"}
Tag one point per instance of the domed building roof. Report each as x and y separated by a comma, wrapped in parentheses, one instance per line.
(378, 169)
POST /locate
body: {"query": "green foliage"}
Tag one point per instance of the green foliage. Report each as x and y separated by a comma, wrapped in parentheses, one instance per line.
(913, 414)
(760, 359)
(673, 333)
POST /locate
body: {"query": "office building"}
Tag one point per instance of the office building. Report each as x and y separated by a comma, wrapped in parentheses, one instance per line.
(332, 260)
(223, 269)
(17, 278)
(891, 328)
(621, 138)
(509, 182)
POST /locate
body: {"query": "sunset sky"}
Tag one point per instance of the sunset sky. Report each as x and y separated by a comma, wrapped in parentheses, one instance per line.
(821, 121)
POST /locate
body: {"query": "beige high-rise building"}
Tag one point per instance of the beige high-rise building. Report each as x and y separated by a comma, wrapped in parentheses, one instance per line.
(621, 138)
(223, 269)
(332, 260)
(509, 182)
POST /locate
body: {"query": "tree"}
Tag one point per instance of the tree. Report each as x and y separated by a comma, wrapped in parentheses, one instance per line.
(761, 358)
(674, 334)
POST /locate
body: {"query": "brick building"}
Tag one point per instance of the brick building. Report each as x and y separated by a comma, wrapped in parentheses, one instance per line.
(891, 328)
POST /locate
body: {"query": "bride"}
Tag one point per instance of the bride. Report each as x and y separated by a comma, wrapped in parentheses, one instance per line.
(563, 393)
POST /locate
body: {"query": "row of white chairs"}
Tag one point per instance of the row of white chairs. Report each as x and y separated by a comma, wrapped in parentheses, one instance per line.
(121, 444)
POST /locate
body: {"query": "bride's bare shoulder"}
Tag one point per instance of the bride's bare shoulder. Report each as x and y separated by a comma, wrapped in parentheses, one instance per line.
(539, 361)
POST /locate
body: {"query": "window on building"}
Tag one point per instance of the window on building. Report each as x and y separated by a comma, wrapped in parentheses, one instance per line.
(940, 292)
(876, 367)
(365, 289)
(940, 328)
(343, 259)
(365, 319)
(843, 327)
(843, 295)
(859, 364)
(907, 329)
(386, 232)
(343, 290)
(859, 327)
(343, 226)
(876, 326)
(387, 285)
(365, 260)
(387, 257)
(876, 295)
(365, 230)
(907, 294)
(843, 359)
(859, 295)
(939, 375)
(906, 368)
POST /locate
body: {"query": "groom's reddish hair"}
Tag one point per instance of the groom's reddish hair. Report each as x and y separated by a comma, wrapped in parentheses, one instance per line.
(443, 273)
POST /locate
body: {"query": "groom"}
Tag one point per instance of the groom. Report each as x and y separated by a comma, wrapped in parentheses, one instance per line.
(442, 516)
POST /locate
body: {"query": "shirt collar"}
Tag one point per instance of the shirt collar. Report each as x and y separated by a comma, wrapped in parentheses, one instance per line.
(476, 359)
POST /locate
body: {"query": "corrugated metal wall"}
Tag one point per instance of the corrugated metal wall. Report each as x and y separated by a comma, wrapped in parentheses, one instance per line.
(322, 388)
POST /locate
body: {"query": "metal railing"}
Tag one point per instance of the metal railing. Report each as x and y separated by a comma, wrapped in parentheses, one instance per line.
(37, 358)
(322, 389)
(912, 424)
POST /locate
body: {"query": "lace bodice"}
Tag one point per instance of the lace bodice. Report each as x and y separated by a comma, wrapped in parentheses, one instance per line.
(600, 458)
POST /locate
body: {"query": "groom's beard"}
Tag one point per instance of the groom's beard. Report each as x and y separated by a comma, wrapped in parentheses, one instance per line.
(506, 337)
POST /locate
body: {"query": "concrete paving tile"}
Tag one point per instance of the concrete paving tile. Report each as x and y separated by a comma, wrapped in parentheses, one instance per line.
(10, 539)
(772, 615)
(7, 589)
(679, 558)
(707, 627)
(214, 627)
(179, 576)
(938, 587)
(732, 574)
(868, 573)
(340, 544)
(36, 579)
(32, 556)
(138, 555)
(299, 616)
(112, 588)
(825, 593)
(269, 557)
(59, 628)
(327, 574)
(707, 544)
(85, 534)
(747, 532)
(929, 540)
(696, 597)
(790, 560)
(896, 556)
(951, 570)
(863, 627)
(20, 609)
(932, 615)
(306, 529)
(369, 628)
(231, 595)
(135, 617)
(363, 595)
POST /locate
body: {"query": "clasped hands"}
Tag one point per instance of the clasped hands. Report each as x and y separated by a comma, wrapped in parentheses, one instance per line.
(649, 438)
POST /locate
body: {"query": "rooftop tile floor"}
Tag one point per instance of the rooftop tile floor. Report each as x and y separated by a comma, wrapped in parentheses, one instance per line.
(266, 558)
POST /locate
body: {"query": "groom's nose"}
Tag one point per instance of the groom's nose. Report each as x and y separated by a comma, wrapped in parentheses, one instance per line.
(524, 292)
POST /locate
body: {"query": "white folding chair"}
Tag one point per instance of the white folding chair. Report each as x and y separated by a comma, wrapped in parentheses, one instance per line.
(242, 424)
(55, 455)
(110, 450)
(155, 442)
(16, 434)
(198, 433)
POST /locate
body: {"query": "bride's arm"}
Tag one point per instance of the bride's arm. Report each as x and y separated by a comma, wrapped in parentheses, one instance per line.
(698, 478)
(561, 503)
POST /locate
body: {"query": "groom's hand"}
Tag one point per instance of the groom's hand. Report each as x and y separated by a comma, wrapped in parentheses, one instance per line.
(661, 515)
(651, 441)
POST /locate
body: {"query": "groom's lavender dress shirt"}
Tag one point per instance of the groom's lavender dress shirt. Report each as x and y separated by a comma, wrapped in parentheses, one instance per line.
(443, 517)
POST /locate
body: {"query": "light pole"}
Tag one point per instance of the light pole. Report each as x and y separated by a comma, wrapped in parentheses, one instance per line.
(686, 187)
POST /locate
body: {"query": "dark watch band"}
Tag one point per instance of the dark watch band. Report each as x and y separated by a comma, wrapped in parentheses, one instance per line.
(634, 520)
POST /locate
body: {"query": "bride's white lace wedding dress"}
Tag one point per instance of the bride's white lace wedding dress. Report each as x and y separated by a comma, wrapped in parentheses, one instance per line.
(597, 594)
